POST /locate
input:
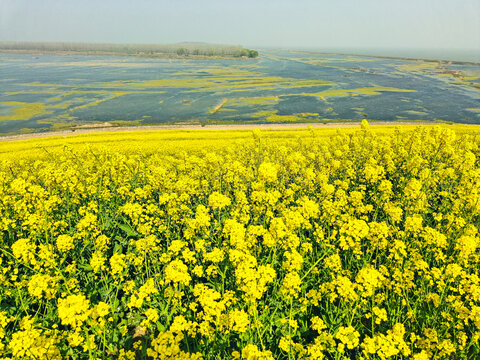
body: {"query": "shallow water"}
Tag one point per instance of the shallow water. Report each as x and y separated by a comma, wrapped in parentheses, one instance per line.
(49, 92)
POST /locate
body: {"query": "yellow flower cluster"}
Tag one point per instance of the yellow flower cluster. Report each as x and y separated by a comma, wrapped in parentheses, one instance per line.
(278, 244)
(73, 310)
(218, 201)
(65, 243)
(41, 285)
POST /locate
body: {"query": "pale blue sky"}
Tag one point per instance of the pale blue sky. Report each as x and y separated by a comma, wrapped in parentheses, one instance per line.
(427, 24)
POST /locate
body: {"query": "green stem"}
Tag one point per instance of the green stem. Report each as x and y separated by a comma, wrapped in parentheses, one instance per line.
(290, 329)
(312, 267)
(255, 314)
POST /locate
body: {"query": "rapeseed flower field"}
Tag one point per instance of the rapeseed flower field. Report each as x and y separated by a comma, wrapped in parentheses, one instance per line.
(353, 243)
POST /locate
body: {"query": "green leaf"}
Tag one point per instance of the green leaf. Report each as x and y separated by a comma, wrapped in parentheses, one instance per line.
(118, 249)
(86, 267)
(128, 230)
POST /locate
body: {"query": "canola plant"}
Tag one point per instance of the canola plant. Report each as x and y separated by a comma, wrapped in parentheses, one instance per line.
(282, 244)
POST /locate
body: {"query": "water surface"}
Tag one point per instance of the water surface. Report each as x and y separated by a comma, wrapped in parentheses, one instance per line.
(48, 92)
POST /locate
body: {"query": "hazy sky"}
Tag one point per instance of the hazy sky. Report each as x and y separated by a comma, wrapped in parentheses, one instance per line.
(432, 24)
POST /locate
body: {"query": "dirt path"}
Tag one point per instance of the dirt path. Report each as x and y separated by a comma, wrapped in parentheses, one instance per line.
(194, 127)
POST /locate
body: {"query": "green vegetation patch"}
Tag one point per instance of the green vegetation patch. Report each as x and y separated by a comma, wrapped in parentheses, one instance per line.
(23, 110)
(374, 90)
(475, 110)
(275, 118)
(253, 101)
(416, 112)
(263, 114)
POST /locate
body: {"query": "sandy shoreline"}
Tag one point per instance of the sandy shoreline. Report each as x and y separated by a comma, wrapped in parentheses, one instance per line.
(66, 133)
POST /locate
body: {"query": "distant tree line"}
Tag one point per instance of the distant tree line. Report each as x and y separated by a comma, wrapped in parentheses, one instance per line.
(181, 49)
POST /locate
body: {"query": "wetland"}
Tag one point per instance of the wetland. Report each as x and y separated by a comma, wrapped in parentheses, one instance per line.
(49, 92)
